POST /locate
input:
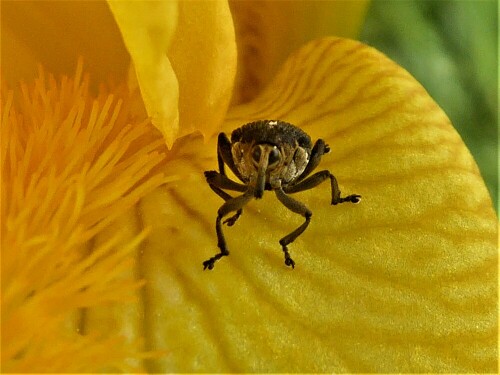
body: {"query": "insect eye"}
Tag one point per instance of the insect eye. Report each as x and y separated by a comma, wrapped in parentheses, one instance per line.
(256, 152)
(274, 157)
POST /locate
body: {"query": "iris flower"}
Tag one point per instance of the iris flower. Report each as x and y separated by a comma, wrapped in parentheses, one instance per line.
(106, 217)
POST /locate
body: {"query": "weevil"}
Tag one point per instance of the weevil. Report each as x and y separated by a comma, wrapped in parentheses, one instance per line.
(268, 155)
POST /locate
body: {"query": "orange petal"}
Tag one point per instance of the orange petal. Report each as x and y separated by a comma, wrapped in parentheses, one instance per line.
(56, 34)
(70, 165)
(406, 281)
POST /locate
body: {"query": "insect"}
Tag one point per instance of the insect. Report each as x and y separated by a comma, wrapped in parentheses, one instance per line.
(268, 155)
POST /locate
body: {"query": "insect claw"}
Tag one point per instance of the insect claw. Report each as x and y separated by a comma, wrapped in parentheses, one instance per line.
(288, 259)
(230, 221)
(209, 175)
(289, 262)
(351, 198)
(355, 198)
(208, 264)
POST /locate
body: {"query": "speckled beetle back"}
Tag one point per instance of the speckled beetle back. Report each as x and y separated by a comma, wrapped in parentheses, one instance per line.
(273, 132)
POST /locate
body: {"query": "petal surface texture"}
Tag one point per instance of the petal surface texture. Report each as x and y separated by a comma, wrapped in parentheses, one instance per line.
(405, 281)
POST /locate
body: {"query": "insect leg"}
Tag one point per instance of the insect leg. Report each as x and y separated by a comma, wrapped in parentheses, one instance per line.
(217, 182)
(298, 208)
(233, 204)
(336, 198)
(318, 178)
(308, 183)
(224, 155)
(222, 181)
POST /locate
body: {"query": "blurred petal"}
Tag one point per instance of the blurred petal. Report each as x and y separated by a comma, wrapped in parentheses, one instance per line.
(406, 281)
(57, 33)
(268, 31)
(185, 59)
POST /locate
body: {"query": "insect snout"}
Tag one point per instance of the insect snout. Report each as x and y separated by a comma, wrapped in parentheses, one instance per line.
(266, 153)
(265, 157)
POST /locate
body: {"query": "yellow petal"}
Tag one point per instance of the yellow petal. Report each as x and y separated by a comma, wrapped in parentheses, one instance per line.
(203, 55)
(185, 60)
(406, 281)
(147, 29)
(268, 31)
